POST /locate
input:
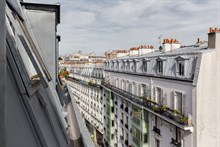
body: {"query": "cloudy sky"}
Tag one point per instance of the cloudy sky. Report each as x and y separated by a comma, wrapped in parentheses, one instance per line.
(101, 25)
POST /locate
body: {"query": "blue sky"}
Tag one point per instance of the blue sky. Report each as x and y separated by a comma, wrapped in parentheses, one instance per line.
(101, 25)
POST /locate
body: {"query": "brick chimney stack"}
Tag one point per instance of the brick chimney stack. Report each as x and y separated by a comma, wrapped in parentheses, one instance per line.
(213, 37)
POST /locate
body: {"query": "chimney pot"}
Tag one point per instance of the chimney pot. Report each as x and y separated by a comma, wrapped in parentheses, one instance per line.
(210, 30)
(198, 40)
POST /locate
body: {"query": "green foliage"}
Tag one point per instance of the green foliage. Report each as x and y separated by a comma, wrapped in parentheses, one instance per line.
(177, 112)
(90, 83)
(184, 119)
(64, 73)
(156, 109)
(164, 108)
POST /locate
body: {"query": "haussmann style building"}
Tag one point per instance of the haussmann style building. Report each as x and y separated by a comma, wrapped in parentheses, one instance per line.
(164, 98)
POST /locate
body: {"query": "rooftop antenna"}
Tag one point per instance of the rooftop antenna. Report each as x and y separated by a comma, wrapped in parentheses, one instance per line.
(160, 41)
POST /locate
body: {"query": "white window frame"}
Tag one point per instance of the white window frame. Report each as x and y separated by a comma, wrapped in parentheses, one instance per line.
(183, 102)
(159, 66)
(178, 72)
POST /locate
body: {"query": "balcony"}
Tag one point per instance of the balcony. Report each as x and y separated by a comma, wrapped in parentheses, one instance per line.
(163, 112)
(83, 82)
(156, 130)
(175, 142)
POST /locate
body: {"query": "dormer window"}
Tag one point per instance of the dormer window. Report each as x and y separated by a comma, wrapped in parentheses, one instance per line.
(159, 67)
(180, 66)
(117, 65)
(144, 65)
(128, 66)
(134, 65)
(123, 66)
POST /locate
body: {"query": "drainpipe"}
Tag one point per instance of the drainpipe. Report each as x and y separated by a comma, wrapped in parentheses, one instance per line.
(2, 72)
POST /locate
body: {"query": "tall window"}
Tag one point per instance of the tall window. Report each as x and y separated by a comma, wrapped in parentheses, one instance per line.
(117, 65)
(158, 97)
(134, 66)
(123, 66)
(142, 90)
(144, 66)
(128, 65)
(180, 68)
(179, 102)
(157, 143)
(159, 67)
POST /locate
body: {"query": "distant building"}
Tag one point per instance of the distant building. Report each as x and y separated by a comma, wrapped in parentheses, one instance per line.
(116, 54)
(162, 98)
(85, 82)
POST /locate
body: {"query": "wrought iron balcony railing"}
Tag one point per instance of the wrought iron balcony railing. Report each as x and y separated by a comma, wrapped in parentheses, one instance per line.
(156, 130)
(148, 103)
(175, 142)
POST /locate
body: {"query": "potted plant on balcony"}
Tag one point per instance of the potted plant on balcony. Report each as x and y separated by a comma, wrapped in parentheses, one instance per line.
(177, 112)
(90, 83)
(163, 109)
(184, 120)
(142, 97)
(64, 73)
(156, 109)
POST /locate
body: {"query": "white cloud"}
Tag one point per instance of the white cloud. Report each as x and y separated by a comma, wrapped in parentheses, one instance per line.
(100, 25)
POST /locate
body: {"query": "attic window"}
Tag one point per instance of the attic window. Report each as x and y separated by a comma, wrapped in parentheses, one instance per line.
(159, 66)
(180, 66)
(144, 64)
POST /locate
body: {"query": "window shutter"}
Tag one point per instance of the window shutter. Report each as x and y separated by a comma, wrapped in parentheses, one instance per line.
(175, 68)
(161, 98)
(148, 91)
(184, 104)
(139, 90)
(164, 98)
(154, 94)
(173, 100)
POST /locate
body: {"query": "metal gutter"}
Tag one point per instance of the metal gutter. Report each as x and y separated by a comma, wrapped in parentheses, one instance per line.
(3, 72)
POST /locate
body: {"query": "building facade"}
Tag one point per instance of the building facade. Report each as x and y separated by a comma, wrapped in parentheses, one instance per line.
(164, 98)
(85, 82)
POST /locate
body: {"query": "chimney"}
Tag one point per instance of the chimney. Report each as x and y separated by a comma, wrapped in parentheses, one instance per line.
(198, 41)
(144, 49)
(169, 45)
(133, 51)
(166, 45)
(213, 38)
(174, 44)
